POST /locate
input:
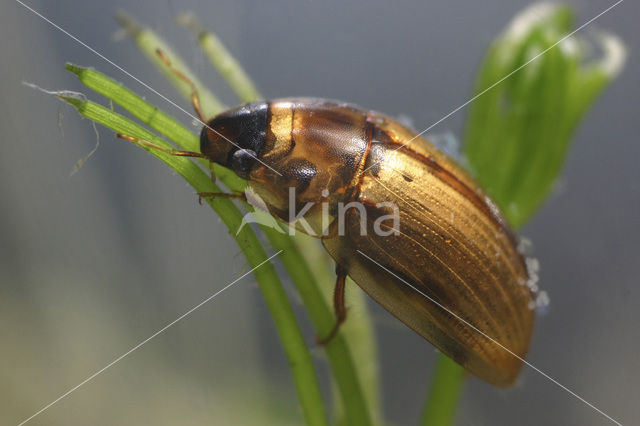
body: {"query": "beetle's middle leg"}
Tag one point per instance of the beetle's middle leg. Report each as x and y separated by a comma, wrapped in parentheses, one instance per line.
(201, 195)
(338, 304)
(235, 194)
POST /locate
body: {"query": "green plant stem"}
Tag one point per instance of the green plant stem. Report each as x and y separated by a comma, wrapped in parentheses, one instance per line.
(149, 42)
(444, 393)
(154, 117)
(358, 332)
(222, 60)
(297, 267)
(357, 383)
(274, 295)
(345, 371)
(518, 133)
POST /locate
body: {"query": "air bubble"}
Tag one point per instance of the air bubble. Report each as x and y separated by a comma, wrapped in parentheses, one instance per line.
(542, 302)
(540, 298)
(525, 246)
(533, 265)
(446, 142)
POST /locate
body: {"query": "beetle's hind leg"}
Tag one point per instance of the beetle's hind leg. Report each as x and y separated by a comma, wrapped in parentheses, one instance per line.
(338, 305)
(195, 97)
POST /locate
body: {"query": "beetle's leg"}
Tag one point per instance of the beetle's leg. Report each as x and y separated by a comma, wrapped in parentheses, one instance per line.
(148, 144)
(212, 172)
(201, 195)
(195, 97)
(338, 304)
(236, 194)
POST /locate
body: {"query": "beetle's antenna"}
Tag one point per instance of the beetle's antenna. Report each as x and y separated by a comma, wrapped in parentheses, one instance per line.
(195, 97)
(152, 145)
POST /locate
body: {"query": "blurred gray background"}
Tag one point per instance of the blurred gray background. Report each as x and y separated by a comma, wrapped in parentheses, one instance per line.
(94, 263)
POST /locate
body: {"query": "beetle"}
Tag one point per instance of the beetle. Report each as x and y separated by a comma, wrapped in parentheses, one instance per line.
(451, 270)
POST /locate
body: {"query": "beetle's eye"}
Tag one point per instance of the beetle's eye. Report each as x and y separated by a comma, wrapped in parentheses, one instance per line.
(242, 162)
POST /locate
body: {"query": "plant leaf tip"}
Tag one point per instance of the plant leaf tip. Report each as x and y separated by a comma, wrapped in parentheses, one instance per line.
(189, 20)
(73, 68)
(130, 25)
(615, 53)
(534, 15)
(76, 102)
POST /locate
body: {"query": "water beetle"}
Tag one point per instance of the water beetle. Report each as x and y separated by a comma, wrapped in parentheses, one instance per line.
(452, 243)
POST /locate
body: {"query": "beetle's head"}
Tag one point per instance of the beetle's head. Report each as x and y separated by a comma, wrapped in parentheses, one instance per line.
(235, 137)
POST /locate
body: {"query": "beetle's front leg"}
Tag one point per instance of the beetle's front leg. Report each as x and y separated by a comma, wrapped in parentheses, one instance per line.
(147, 144)
(338, 304)
(195, 97)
